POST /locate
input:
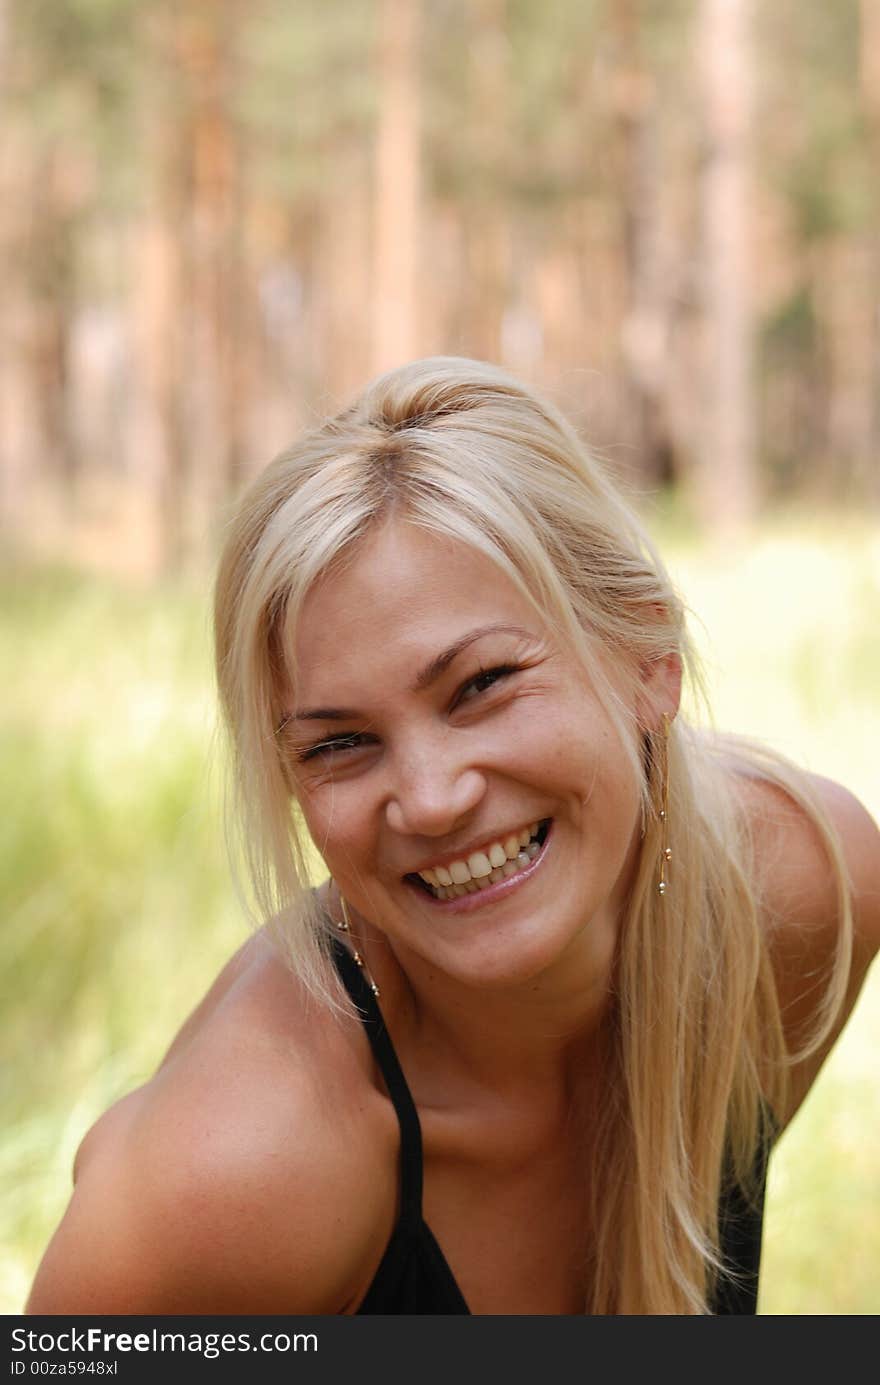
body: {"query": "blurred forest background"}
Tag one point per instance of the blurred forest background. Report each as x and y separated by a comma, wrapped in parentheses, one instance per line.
(217, 220)
(220, 218)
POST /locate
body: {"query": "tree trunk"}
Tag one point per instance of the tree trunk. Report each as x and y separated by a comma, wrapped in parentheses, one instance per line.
(869, 64)
(160, 310)
(342, 275)
(36, 458)
(397, 186)
(207, 49)
(726, 469)
(646, 325)
(21, 439)
(846, 296)
(487, 212)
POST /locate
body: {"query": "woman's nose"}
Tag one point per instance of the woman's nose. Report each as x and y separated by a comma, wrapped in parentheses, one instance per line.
(430, 795)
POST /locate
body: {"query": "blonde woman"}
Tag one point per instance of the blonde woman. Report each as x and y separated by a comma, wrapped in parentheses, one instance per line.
(576, 963)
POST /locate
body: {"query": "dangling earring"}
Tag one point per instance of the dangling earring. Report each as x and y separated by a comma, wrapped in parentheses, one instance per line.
(345, 927)
(663, 813)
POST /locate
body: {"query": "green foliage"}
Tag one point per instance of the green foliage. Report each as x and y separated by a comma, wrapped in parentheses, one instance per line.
(788, 352)
(114, 889)
(813, 137)
(306, 92)
(534, 132)
(76, 61)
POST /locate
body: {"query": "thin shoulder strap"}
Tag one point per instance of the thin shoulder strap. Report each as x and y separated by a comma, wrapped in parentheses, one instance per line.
(386, 1059)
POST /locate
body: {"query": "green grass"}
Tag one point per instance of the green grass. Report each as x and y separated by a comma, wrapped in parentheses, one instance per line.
(115, 899)
(118, 910)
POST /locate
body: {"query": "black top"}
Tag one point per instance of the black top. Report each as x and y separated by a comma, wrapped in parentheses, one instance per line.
(414, 1277)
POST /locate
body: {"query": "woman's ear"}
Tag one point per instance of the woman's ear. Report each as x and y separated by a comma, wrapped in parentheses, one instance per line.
(659, 690)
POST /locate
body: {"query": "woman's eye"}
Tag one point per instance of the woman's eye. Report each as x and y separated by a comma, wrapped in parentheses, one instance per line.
(484, 680)
(338, 743)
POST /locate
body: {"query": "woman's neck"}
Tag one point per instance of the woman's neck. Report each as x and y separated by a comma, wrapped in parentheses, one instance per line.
(535, 1037)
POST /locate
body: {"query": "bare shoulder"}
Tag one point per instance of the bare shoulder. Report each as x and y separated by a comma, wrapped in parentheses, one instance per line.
(233, 1181)
(800, 904)
(796, 873)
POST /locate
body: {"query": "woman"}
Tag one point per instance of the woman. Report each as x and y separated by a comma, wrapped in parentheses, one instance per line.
(576, 963)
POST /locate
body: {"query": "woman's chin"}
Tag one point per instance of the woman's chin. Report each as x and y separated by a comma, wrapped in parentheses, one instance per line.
(505, 952)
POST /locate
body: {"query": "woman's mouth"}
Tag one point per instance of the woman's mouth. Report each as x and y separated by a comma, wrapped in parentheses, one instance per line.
(489, 872)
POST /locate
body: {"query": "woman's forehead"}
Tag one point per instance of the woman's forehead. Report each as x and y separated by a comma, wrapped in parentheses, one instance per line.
(405, 593)
(401, 571)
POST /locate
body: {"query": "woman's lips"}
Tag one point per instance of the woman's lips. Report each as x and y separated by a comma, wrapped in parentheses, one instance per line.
(465, 904)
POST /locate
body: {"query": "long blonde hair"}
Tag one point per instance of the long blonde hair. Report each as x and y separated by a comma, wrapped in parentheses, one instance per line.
(462, 449)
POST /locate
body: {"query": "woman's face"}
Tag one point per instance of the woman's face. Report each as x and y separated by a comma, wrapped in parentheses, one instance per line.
(435, 724)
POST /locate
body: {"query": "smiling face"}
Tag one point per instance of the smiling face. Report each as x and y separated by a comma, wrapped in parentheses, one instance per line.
(455, 767)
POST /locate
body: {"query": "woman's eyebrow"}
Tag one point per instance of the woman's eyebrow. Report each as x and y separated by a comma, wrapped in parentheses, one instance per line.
(438, 666)
(428, 675)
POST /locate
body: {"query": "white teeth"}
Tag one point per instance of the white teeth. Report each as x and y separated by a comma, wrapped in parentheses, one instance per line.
(499, 861)
(479, 865)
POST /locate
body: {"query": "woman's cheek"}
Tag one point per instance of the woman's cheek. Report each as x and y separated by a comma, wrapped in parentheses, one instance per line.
(316, 807)
(337, 821)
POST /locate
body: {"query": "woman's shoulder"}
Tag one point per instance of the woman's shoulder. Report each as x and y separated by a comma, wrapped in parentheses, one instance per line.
(796, 872)
(234, 1180)
(799, 874)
